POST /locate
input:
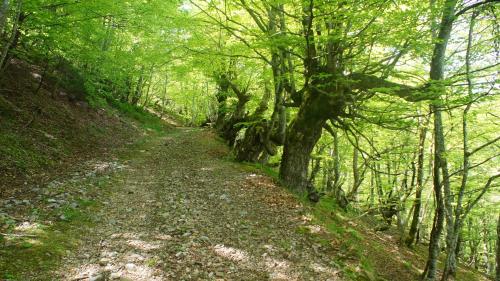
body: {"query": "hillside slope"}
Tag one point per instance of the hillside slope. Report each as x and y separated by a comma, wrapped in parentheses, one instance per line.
(52, 130)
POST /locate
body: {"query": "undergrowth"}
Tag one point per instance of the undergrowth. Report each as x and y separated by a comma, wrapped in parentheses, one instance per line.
(145, 118)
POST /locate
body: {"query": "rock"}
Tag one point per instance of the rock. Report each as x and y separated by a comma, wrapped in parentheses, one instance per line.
(49, 136)
(130, 267)
(97, 277)
(136, 257)
(224, 197)
(179, 255)
(53, 206)
(115, 275)
(110, 254)
(103, 261)
(82, 104)
(204, 239)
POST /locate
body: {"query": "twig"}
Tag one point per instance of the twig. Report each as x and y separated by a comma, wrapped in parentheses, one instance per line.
(18, 235)
(80, 278)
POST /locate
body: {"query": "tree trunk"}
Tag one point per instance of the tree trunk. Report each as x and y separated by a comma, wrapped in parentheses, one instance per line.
(221, 95)
(417, 204)
(128, 85)
(316, 165)
(229, 130)
(148, 88)
(4, 10)
(14, 38)
(138, 89)
(356, 181)
(450, 266)
(252, 146)
(497, 276)
(336, 163)
(440, 163)
(301, 137)
(255, 142)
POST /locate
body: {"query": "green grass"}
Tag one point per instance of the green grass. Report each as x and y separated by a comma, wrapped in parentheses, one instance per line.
(20, 152)
(41, 247)
(145, 118)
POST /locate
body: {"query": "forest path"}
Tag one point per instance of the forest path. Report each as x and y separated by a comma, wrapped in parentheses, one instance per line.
(180, 209)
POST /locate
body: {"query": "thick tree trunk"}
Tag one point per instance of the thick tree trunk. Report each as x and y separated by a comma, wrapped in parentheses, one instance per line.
(257, 139)
(221, 96)
(301, 137)
(229, 129)
(251, 147)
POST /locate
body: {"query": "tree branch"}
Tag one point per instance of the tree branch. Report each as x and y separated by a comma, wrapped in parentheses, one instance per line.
(464, 10)
(483, 146)
(365, 82)
(483, 191)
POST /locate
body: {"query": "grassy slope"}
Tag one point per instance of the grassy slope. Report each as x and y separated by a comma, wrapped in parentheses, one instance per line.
(46, 134)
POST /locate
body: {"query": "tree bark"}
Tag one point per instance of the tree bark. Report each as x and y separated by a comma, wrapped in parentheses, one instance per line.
(301, 137)
(221, 95)
(4, 10)
(440, 163)
(138, 88)
(356, 181)
(417, 204)
(456, 223)
(497, 276)
(229, 129)
(14, 38)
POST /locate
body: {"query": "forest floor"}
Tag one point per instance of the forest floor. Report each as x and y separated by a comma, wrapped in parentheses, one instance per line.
(174, 207)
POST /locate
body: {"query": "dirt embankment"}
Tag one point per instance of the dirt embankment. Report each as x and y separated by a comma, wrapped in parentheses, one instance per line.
(47, 130)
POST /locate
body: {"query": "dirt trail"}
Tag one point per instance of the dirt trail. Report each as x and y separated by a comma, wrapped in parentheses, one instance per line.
(181, 210)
